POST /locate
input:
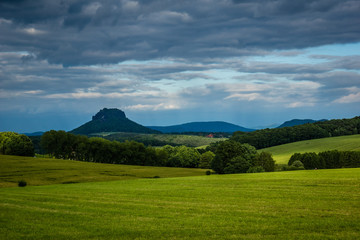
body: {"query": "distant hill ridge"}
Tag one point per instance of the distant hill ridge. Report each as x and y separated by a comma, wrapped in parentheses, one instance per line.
(111, 120)
(212, 126)
(296, 122)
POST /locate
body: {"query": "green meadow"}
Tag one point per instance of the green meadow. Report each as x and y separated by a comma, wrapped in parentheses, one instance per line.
(46, 171)
(151, 139)
(313, 204)
(282, 153)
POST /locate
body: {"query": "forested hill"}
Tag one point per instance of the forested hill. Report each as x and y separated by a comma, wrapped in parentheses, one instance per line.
(215, 126)
(272, 137)
(296, 122)
(111, 120)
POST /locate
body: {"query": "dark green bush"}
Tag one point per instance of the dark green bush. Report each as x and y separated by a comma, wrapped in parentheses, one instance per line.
(22, 183)
(255, 169)
(298, 164)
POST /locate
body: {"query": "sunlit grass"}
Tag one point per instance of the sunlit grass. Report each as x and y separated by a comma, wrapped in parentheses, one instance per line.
(321, 204)
(282, 153)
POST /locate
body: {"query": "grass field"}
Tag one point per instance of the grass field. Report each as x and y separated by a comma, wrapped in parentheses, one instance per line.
(313, 204)
(283, 153)
(177, 139)
(45, 171)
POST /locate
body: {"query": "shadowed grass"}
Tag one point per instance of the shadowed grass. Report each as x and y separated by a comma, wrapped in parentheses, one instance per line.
(321, 204)
(45, 171)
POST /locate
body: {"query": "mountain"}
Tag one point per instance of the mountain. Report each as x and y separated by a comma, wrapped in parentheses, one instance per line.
(111, 120)
(34, 134)
(216, 126)
(296, 122)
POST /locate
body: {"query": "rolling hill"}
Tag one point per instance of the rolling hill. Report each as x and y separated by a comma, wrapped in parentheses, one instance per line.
(296, 122)
(214, 126)
(47, 171)
(111, 120)
(161, 139)
(282, 153)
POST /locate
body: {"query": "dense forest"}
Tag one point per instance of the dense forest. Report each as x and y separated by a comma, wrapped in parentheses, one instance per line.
(271, 137)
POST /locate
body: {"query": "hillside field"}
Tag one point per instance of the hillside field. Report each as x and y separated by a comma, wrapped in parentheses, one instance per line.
(45, 171)
(313, 204)
(282, 153)
(161, 139)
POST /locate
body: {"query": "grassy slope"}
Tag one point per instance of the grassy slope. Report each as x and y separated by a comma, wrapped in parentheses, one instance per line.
(44, 171)
(283, 153)
(321, 204)
(188, 140)
(180, 139)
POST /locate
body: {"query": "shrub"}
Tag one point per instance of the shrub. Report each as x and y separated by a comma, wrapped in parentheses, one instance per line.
(208, 172)
(22, 183)
(298, 164)
(295, 157)
(292, 168)
(255, 169)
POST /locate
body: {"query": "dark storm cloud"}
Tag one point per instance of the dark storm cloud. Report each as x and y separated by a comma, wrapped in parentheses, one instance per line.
(73, 32)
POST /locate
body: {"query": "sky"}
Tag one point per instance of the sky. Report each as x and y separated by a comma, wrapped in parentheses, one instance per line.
(254, 63)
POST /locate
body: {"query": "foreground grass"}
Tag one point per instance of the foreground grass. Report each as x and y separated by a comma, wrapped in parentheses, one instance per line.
(45, 171)
(282, 153)
(314, 204)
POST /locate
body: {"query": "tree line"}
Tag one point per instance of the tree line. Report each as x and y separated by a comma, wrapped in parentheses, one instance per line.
(326, 159)
(272, 137)
(63, 145)
(229, 156)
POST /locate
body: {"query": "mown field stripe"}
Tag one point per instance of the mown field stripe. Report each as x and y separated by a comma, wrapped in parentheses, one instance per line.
(321, 204)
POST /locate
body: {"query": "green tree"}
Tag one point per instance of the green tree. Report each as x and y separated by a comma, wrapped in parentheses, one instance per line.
(187, 156)
(206, 159)
(227, 151)
(266, 161)
(238, 164)
(16, 144)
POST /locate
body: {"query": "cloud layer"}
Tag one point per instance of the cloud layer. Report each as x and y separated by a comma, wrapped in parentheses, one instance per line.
(72, 32)
(248, 62)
